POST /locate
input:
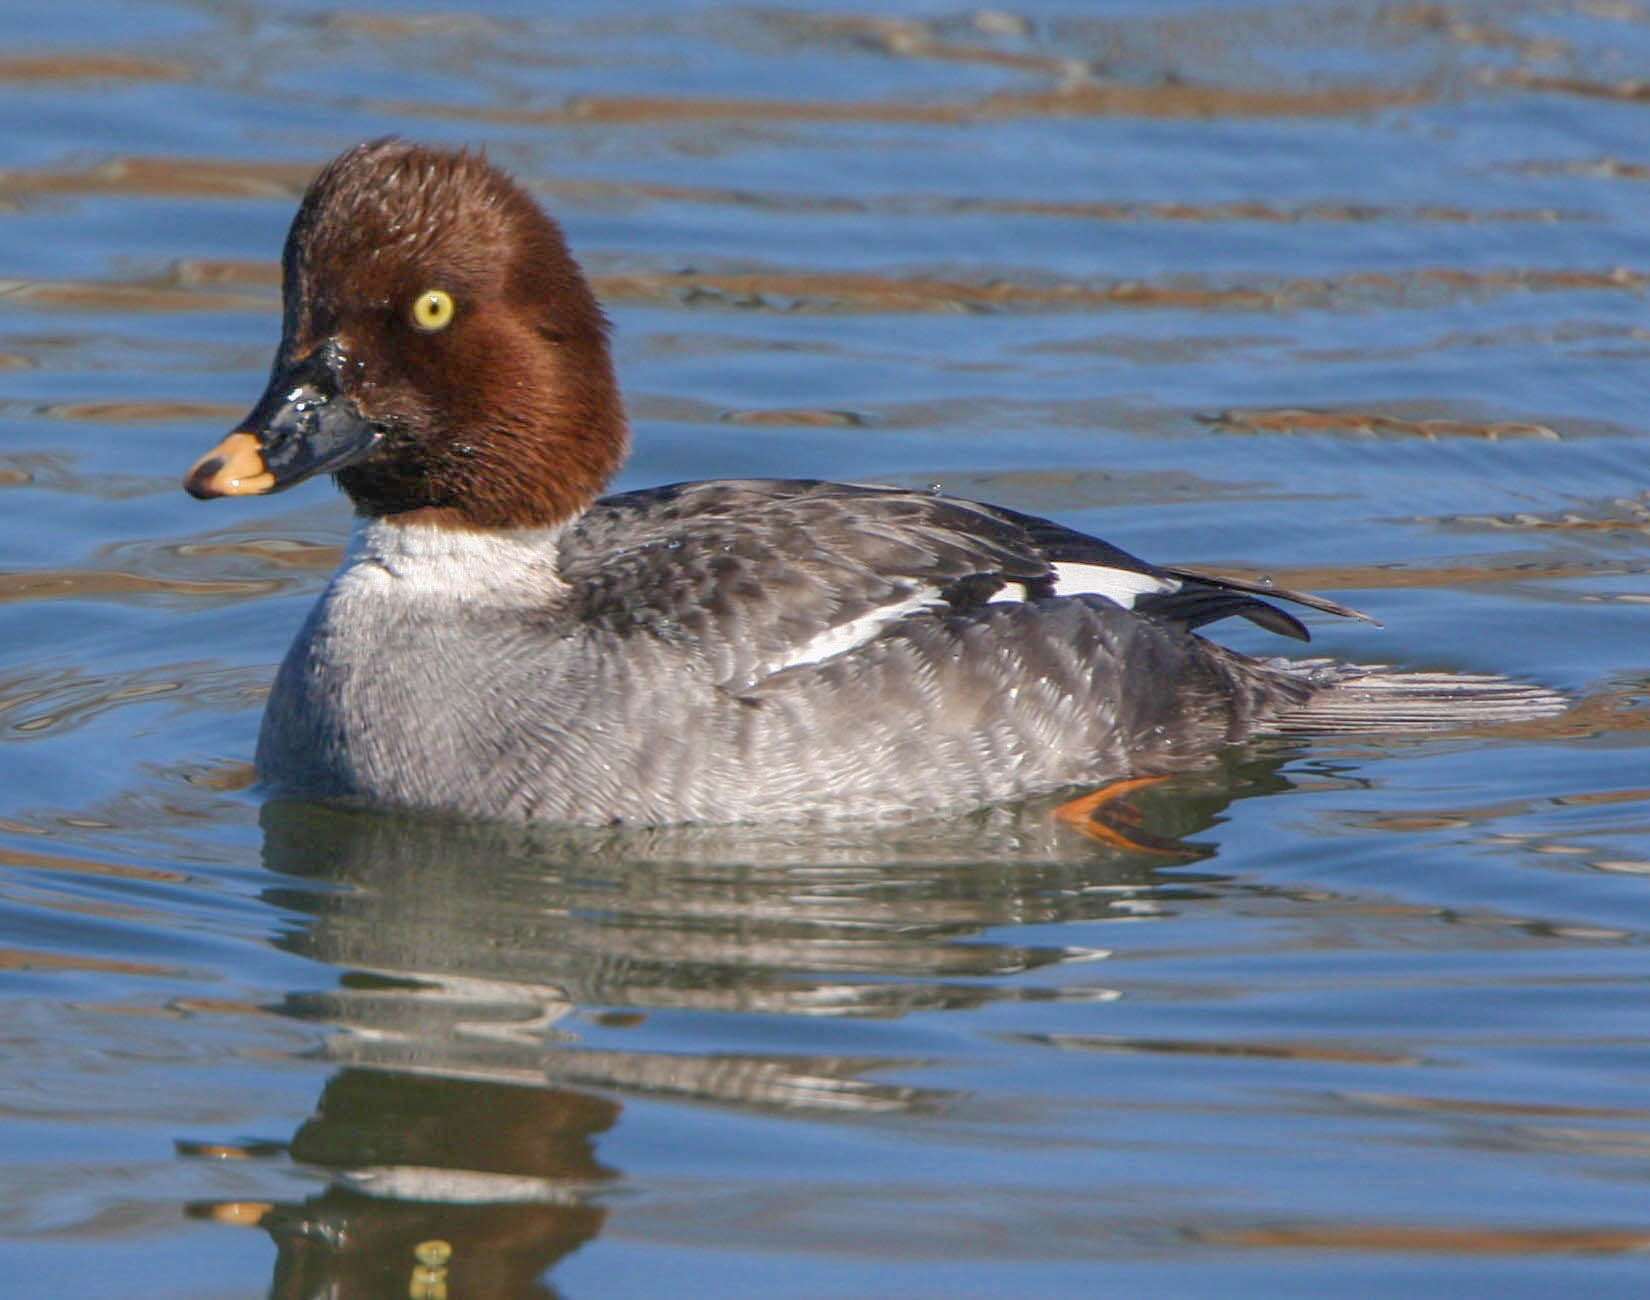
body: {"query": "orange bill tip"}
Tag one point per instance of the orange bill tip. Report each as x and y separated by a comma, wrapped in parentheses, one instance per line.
(239, 1214)
(234, 468)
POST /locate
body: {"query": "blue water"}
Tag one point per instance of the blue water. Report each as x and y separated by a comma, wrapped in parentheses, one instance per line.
(1348, 294)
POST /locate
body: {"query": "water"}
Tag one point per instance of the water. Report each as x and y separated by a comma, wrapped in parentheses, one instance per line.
(1352, 296)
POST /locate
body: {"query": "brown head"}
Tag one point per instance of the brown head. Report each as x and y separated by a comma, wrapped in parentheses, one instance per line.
(441, 352)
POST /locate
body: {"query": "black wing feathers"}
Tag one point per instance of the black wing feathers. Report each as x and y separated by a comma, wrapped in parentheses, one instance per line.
(1198, 603)
(1205, 598)
(1322, 603)
(804, 549)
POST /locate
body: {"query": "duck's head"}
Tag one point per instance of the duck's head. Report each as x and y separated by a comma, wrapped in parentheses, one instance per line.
(441, 352)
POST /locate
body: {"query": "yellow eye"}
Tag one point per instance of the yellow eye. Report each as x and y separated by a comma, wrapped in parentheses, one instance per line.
(432, 310)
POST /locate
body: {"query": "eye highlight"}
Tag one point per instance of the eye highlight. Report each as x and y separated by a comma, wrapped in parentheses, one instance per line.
(432, 311)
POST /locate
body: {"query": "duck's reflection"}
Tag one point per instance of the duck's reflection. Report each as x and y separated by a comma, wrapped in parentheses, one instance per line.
(442, 1186)
(493, 976)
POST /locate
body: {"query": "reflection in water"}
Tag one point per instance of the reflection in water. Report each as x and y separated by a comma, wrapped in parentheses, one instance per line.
(190, 178)
(36, 704)
(1411, 1239)
(479, 1181)
(1169, 100)
(1339, 419)
(459, 1129)
(793, 291)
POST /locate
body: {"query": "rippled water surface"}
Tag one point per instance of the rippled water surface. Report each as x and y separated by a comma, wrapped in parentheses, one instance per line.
(1353, 295)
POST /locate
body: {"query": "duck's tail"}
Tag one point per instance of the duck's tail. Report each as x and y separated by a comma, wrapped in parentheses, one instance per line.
(1371, 699)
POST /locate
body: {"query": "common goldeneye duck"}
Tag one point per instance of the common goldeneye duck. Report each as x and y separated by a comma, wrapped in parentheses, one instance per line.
(501, 643)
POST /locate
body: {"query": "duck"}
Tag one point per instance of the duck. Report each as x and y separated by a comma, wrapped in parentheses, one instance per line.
(502, 641)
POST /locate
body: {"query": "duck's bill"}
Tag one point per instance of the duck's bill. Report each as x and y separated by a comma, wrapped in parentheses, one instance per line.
(301, 427)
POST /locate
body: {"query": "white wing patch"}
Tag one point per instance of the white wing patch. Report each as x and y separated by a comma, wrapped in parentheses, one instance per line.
(1122, 586)
(856, 632)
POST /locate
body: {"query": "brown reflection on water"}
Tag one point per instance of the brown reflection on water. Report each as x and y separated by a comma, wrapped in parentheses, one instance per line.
(1374, 423)
(1464, 27)
(1369, 577)
(164, 177)
(1521, 1125)
(1332, 1053)
(1428, 1238)
(121, 297)
(275, 552)
(909, 38)
(87, 867)
(142, 176)
(1249, 210)
(1581, 849)
(1620, 515)
(795, 417)
(225, 271)
(37, 704)
(233, 564)
(1241, 210)
(1631, 91)
(89, 67)
(1165, 100)
(1492, 1109)
(226, 776)
(850, 291)
(393, 26)
(21, 959)
(1455, 818)
(83, 584)
(139, 412)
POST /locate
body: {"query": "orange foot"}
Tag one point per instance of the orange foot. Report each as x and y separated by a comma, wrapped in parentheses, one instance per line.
(1101, 816)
